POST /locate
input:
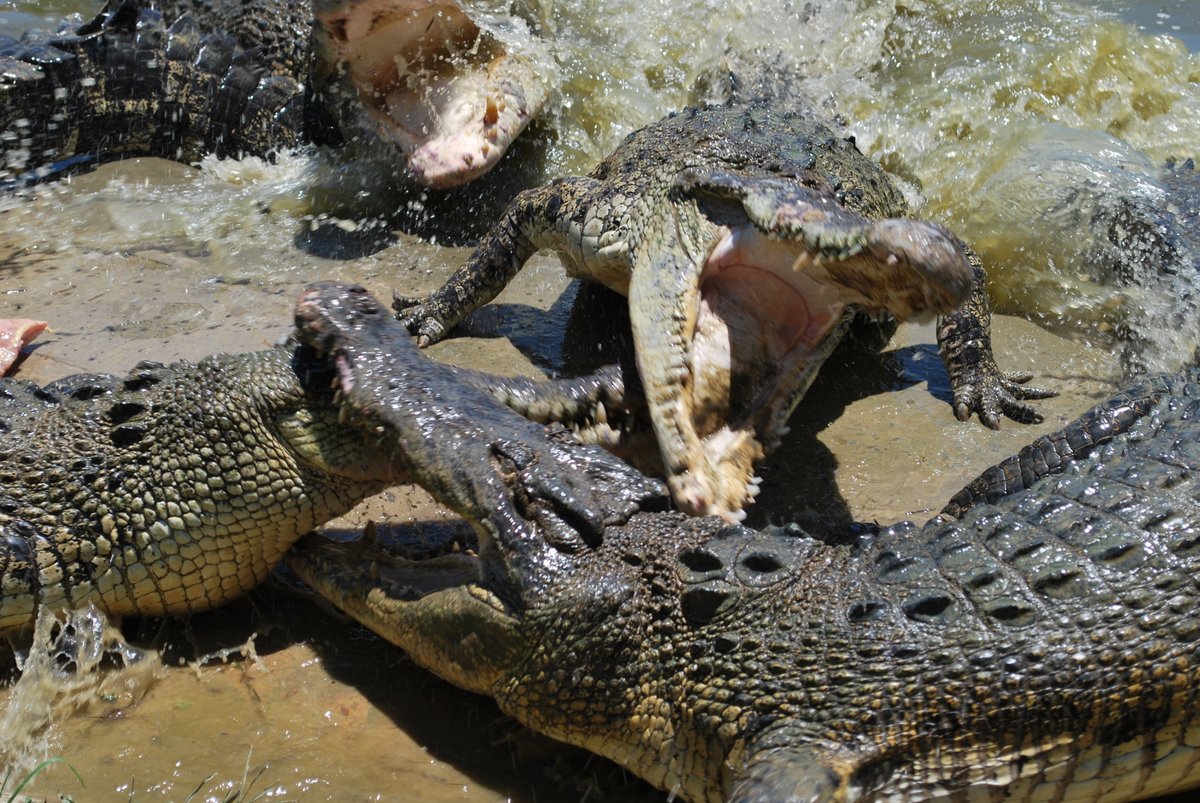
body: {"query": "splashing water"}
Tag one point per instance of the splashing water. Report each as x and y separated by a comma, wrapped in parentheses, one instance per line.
(1036, 129)
(77, 665)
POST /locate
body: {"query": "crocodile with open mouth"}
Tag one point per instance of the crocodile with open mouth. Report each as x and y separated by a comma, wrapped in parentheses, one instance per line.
(444, 88)
(1038, 640)
(748, 237)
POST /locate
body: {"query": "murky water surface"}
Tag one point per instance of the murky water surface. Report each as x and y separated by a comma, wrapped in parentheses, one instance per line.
(1014, 122)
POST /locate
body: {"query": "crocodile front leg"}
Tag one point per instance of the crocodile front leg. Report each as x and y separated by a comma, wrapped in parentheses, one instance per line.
(537, 218)
(965, 343)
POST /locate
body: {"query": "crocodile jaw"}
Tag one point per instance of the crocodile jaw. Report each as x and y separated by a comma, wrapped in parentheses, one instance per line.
(443, 91)
(755, 325)
(759, 329)
(440, 609)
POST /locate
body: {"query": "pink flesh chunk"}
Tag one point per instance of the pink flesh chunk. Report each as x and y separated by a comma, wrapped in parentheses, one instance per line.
(15, 333)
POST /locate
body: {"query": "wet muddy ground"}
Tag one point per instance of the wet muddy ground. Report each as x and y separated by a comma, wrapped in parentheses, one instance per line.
(318, 709)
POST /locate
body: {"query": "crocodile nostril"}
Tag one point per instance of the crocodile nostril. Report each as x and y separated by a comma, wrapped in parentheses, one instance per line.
(762, 562)
(699, 560)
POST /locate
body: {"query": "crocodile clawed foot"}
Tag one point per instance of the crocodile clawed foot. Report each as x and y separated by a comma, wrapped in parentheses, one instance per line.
(575, 491)
(991, 393)
(420, 318)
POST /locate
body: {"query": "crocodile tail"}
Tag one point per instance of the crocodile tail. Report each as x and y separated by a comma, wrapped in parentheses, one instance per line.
(1054, 453)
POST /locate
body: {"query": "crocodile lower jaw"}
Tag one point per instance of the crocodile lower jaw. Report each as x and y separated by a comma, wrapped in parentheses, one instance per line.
(766, 313)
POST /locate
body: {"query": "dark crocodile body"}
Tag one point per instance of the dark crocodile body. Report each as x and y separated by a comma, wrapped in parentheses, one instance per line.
(1044, 642)
(253, 77)
(127, 83)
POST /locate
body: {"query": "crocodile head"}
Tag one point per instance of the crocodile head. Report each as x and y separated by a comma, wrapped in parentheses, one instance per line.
(624, 650)
(449, 90)
(741, 288)
(535, 499)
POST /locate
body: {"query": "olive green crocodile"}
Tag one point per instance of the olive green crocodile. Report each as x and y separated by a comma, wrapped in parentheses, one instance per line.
(178, 488)
(747, 238)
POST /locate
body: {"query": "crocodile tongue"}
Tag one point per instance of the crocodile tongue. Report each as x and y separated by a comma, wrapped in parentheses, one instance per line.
(449, 91)
(727, 350)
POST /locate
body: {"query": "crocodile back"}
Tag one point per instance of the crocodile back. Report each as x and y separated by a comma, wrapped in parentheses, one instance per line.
(1046, 643)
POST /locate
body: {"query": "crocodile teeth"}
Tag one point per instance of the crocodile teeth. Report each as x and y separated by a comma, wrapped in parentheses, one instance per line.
(601, 413)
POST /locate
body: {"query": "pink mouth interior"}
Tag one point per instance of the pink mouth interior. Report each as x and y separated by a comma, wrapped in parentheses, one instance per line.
(760, 315)
(15, 333)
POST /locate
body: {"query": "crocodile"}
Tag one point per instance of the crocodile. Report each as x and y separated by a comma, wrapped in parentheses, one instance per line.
(1036, 641)
(748, 237)
(177, 488)
(443, 89)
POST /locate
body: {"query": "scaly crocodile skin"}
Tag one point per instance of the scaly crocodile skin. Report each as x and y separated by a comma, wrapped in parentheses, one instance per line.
(1043, 646)
(172, 490)
(179, 487)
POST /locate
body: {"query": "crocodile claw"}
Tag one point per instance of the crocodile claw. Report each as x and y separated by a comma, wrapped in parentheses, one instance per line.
(420, 317)
(573, 492)
(991, 392)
